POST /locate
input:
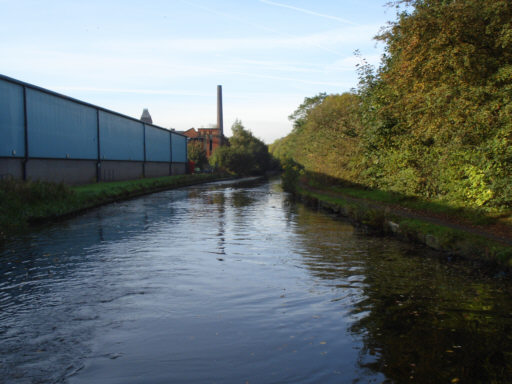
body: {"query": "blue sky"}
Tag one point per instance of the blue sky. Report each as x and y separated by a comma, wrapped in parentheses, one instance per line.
(169, 56)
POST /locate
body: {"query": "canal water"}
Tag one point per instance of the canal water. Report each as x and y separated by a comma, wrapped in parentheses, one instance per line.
(235, 283)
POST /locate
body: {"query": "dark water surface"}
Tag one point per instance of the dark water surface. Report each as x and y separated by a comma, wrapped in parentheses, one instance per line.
(232, 283)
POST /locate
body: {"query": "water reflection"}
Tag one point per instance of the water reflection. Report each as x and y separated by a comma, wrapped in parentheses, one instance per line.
(421, 318)
(433, 325)
(231, 283)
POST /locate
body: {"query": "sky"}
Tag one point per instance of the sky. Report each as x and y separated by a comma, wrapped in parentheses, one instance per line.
(169, 56)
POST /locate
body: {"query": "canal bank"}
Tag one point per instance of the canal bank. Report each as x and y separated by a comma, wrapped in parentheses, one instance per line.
(490, 244)
(23, 204)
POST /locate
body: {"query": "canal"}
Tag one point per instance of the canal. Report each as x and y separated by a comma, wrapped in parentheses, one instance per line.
(234, 283)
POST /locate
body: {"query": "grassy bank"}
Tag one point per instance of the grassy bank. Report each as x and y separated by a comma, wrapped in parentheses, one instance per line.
(475, 216)
(26, 203)
(472, 234)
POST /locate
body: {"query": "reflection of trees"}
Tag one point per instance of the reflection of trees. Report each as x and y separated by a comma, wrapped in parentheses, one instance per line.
(327, 245)
(240, 199)
(236, 192)
(427, 323)
(218, 199)
(417, 316)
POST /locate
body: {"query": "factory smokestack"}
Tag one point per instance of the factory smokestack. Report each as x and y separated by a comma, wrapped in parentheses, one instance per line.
(220, 122)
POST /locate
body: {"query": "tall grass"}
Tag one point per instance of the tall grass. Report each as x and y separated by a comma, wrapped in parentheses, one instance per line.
(24, 203)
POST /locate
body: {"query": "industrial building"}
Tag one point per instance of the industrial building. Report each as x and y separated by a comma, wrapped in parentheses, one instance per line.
(210, 138)
(52, 137)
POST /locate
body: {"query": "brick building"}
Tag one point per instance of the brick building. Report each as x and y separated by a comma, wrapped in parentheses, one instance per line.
(210, 138)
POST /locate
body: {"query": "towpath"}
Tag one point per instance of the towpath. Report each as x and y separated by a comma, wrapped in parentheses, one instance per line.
(496, 231)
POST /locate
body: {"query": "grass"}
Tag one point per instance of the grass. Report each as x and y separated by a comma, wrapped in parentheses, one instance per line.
(471, 215)
(25, 203)
(434, 235)
(117, 189)
(450, 238)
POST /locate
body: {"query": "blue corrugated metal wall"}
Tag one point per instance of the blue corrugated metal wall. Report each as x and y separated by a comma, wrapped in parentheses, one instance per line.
(179, 148)
(158, 144)
(12, 120)
(120, 138)
(59, 127)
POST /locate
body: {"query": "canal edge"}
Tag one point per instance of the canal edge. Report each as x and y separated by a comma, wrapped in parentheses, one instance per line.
(407, 227)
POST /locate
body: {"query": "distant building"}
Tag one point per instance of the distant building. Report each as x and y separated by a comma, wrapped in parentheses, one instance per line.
(210, 138)
(146, 117)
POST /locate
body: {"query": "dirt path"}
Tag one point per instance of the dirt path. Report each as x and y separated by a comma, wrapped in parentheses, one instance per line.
(496, 232)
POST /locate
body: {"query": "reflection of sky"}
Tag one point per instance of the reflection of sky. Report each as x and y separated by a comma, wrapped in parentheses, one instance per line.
(227, 281)
(204, 280)
(169, 56)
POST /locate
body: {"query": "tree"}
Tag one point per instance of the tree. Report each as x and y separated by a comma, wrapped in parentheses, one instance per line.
(197, 154)
(434, 120)
(299, 116)
(327, 141)
(440, 112)
(246, 155)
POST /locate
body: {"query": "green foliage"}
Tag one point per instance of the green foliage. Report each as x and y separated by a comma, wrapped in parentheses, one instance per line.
(197, 154)
(291, 173)
(246, 155)
(437, 236)
(234, 160)
(328, 137)
(438, 110)
(300, 115)
(433, 121)
(21, 200)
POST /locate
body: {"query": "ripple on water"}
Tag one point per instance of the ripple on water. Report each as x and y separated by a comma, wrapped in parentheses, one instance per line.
(233, 283)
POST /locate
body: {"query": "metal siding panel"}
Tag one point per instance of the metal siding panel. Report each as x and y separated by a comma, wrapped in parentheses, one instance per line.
(12, 120)
(121, 138)
(179, 148)
(60, 128)
(157, 144)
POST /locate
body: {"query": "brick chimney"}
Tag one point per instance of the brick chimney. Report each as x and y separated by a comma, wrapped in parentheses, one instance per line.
(220, 121)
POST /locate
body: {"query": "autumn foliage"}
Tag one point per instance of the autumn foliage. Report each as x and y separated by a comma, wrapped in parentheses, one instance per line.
(434, 120)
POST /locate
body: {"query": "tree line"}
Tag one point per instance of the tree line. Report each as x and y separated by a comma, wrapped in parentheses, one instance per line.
(434, 120)
(244, 154)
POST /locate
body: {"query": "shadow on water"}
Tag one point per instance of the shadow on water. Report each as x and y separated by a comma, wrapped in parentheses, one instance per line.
(421, 318)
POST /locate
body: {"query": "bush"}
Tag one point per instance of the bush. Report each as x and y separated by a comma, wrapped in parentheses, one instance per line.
(197, 154)
(291, 173)
(246, 155)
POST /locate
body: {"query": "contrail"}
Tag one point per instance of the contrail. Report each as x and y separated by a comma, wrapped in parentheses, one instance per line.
(233, 17)
(308, 12)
